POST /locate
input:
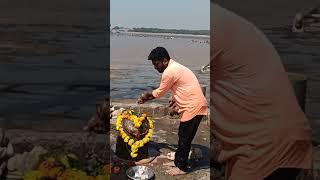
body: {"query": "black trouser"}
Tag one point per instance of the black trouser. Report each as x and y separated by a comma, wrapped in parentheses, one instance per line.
(284, 173)
(187, 131)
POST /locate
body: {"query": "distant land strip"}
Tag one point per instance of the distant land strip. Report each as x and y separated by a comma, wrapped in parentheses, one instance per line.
(173, 31)
(158, 30)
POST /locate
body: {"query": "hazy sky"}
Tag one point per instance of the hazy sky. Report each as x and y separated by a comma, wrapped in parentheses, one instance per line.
(169, 14)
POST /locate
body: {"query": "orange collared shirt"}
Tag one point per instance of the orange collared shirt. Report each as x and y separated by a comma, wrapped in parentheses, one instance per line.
(185, 88)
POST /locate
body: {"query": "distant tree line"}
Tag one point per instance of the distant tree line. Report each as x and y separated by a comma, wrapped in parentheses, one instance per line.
(174, 31)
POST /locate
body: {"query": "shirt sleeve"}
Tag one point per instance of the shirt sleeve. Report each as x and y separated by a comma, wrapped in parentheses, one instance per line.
(166, 83)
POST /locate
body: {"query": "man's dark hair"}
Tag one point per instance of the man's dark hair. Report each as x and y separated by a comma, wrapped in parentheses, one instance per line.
(158, 54)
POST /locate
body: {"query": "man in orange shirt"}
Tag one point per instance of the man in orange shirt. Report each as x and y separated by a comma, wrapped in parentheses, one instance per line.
(188, 96)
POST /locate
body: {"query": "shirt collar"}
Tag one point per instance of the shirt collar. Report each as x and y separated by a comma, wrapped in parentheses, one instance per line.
(170, 61)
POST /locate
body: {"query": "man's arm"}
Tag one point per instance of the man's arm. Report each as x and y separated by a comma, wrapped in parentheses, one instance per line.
(166, 83)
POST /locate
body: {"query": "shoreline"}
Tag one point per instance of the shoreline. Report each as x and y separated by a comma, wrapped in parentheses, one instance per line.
(168, 35)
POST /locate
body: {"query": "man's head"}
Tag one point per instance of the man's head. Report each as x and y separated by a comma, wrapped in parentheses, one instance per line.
(160, 58)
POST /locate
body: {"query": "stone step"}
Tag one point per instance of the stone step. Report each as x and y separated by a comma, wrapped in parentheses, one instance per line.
(155, 110)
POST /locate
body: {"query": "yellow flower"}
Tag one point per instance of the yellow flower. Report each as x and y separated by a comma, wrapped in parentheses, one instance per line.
(130, 142)
(33, 175)
(148, 139)
(141, 143)
(145, 140)
(149, 135)
(134, 150)
(150, 131)
(133, 146)
(126, 139)
(133, 155)
(122, 132)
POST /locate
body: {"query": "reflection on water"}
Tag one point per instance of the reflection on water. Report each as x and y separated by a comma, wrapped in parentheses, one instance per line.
(130, 82)
(131, 73)
(50, 71)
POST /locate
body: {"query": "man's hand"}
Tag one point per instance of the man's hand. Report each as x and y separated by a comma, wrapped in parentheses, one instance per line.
(145, 97)
(173, 107)
(141, 100)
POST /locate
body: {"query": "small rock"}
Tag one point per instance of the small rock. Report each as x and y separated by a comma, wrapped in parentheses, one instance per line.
(113, 121)
(113, 147)
(162, 131)
(116, 112)
(165, 151)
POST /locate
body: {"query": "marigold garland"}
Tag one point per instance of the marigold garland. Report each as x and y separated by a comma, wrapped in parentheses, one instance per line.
(68, 167)
(137, 120)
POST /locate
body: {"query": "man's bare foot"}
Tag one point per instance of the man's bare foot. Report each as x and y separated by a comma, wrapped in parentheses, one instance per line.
(171, 156)
(174, 171)
(170, 164)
